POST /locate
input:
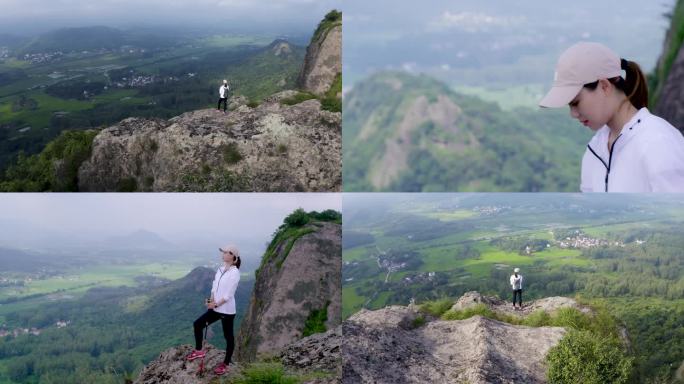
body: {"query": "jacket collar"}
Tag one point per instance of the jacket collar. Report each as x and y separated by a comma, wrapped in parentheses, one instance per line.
(599, 143)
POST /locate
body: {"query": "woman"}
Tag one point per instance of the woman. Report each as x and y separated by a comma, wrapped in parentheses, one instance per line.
(516, 281)
(223, 96)
(221, 306)
(632, 150)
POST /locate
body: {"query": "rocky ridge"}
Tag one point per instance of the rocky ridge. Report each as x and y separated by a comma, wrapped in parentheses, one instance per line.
(296, 281)
(272, 147)
(399, 344)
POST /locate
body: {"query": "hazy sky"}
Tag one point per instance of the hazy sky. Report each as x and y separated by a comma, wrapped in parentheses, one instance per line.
(174, 216)
(21, 16)
(439, 36)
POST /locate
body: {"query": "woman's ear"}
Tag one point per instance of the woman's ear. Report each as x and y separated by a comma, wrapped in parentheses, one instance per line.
(606, 86)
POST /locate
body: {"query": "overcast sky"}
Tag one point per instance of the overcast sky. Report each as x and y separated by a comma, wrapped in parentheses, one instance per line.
(226, 216)
(23, 16)
(434, 36)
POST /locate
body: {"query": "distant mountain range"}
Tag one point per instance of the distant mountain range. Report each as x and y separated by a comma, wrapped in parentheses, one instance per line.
(413, 133)
(90, 38)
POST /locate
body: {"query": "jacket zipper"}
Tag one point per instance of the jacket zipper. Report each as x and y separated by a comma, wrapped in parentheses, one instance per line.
(610, 158)
(221, 277)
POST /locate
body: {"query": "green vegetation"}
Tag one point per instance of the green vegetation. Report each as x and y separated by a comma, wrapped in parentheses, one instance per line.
(266, 373)
(633, 267)
(481, 147)
(583, 357)
(135, 334)
(231, 153)
(38, 101)
(128, 184)
(437, 307)
(675, 39)
(298, 98)
(331, 20)
(207, 180)
(332, 100)
(292, 229)
(591, 352)
(54, 169)
(315, 322)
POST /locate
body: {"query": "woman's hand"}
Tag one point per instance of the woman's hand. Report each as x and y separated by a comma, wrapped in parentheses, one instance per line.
(211, 305)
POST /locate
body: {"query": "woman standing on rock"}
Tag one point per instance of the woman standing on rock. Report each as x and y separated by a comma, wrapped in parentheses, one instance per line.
(221, 306)
(516, 284)
(632, 150)
(223, 96)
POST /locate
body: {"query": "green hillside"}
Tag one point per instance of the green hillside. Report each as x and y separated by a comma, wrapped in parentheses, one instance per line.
(57, 115)
(673, 43)
(112, 332)
(413, 133)
(622, 252)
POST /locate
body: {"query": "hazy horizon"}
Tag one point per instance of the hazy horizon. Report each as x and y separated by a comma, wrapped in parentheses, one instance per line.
(491, 43)
(30, 17)
(206, 221)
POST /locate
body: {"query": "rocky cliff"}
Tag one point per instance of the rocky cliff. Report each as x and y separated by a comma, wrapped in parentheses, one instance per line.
(297, 290)
(323, 61)
(669, 72)
(271, 147)
(400, 344)
(293, 317)
(283, 144)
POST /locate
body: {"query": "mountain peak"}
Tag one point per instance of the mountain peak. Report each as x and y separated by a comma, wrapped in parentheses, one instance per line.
(410, 346)
(171, 367)
(272, 146)
(323, 61)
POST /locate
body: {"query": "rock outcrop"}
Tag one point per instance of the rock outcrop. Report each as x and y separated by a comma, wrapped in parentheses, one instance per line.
(323, 61)
(399, 344)
(671, 98)
(547, 304)
(317, 353)
(272, 147)
(669, 73)
(171, 367)
(300, 279)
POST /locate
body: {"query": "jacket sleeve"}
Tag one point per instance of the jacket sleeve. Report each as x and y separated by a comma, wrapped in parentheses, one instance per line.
(664, 161)
(229, 292)
(213, 287)
(586, 173)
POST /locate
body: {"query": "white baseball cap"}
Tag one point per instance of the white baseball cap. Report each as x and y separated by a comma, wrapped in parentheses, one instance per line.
(516, 270)
(231, 249)
(583, 63)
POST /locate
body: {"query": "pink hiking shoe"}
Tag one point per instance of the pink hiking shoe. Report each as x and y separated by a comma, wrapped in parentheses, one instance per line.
(196, 355)
(221, 369)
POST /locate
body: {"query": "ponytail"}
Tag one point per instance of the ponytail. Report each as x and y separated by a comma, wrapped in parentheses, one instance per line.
(633, 85)
(238, 261)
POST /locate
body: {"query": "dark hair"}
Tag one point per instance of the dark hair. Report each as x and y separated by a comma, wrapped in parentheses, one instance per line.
(633, 85)
(237, 261)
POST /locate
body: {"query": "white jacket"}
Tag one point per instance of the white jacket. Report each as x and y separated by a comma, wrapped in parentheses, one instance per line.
(647, 156)
(516, 282)
(223, 288)
(222, 91)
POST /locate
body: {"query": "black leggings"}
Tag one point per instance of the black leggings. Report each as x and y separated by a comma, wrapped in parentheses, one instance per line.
(518, 293)
(210, 317)
(223, 100)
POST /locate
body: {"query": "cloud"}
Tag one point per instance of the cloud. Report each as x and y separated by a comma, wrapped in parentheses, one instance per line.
(20, 14)
(472, 21)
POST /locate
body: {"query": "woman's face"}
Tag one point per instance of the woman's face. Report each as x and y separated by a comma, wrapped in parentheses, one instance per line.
(594, 108)
(228, 257)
